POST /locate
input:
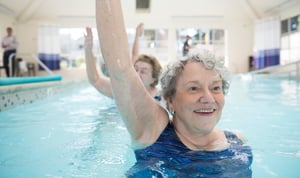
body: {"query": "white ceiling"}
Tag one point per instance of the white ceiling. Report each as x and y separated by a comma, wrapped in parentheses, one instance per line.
(24, 10)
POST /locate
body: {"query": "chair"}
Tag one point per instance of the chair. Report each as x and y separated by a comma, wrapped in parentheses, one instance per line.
(24, 67)
(20, 67)
(31, 68)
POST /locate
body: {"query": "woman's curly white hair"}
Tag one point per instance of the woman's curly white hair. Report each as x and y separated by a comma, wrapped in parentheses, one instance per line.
(172, 71)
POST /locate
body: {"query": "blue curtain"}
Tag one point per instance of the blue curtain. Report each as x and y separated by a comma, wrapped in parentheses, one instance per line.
(49, 47)
(267, 43)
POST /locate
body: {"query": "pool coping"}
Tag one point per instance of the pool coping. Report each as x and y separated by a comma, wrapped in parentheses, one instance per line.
(15, 95)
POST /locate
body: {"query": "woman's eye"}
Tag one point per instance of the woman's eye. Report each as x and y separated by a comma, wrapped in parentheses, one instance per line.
(193, 88)
(216, 88)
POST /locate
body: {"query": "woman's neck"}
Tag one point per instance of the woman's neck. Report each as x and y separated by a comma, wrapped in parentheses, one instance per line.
(211, 141)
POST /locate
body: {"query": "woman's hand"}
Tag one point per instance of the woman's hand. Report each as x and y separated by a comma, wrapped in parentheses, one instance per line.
(88, 38)
(139, 29)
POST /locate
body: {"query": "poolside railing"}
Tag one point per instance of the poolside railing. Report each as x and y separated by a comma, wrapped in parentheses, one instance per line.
(290, 69)
(35, 57)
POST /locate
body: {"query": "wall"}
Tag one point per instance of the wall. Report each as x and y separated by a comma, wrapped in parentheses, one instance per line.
(222, 14)
(225, 14)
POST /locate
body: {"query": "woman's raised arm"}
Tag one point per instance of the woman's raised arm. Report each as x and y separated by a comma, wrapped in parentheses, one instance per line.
(144, 118)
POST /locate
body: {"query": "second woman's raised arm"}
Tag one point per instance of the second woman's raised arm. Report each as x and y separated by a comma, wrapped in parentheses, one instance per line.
(96, 78)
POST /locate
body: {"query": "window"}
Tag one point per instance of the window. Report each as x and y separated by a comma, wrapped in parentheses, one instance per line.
(151, 41)
(284, 26)
(142, 5)
(290, 40)
(211, 39)
(294, 24)
(71, 47)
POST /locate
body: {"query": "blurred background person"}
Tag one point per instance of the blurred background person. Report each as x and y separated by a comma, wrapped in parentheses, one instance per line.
(186, 45)
(9, 44)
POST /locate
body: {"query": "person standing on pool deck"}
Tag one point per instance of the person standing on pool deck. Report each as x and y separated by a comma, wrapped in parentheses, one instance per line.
(9, 44)
(186, 46)
(146, 66)
(188, 144)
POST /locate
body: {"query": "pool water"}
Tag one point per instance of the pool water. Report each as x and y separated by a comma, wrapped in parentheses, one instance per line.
(80, 134)
(267, 111)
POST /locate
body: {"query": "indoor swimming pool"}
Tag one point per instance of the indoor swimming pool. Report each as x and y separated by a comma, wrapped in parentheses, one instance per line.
(80, 134)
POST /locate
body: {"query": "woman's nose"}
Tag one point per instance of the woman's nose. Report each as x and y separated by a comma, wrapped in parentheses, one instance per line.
(206, 97)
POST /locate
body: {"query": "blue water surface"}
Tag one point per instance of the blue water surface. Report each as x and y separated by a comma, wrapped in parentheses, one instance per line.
(80, 133)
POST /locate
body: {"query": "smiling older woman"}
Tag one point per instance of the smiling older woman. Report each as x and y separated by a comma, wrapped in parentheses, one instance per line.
(188, 144)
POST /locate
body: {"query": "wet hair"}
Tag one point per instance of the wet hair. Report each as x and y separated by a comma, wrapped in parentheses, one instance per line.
(156, 67)
(173, 70)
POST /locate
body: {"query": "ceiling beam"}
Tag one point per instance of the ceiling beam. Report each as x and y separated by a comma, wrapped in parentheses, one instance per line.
(282, 5)
(6, 10)
(29, 10)
(249, 9)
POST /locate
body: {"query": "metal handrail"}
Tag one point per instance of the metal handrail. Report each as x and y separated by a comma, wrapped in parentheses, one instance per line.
(278, 67)
(35, 57)
(10, 65)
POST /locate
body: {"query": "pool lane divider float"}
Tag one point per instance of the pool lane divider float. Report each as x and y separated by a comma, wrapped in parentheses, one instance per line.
(23, 80)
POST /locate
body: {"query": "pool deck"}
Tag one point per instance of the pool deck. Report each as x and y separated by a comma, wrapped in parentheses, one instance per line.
(68, 75)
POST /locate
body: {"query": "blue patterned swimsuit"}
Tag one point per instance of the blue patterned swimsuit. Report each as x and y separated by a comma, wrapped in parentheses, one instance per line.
(169, 157)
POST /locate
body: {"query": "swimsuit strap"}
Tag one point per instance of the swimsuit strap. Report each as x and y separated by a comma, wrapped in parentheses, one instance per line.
(157, 98)
(232, 138)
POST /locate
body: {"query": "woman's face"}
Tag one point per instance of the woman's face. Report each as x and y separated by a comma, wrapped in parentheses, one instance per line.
(199, 100)
(144, 71)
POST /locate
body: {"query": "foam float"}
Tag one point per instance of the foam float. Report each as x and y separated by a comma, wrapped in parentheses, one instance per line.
(24, 80)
